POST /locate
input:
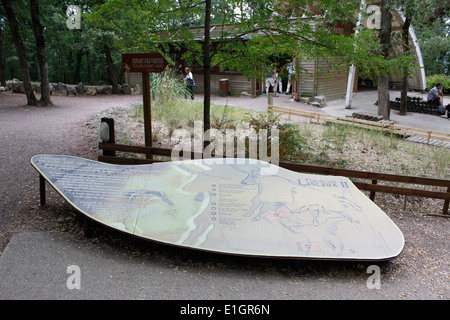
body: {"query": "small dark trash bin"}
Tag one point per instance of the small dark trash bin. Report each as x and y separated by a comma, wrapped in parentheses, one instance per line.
(224, 87)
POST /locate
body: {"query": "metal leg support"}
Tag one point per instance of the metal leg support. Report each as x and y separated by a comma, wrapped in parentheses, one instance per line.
(42, 189)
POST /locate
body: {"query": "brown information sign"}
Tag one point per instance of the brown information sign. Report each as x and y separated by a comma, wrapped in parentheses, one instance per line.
(144, 62)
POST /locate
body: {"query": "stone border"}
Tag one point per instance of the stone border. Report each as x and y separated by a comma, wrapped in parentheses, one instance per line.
(62, 89)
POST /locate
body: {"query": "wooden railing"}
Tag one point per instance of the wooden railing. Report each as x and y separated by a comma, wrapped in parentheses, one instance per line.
(373, 186)
(316, 117)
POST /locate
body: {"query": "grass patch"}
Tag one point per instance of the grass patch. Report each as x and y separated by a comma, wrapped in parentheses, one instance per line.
(332, 145)
(180, 113)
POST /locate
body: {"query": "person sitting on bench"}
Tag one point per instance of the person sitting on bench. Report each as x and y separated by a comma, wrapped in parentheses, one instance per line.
(435, 95)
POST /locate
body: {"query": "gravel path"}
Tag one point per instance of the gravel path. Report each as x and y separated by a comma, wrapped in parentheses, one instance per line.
(420, 272)
(26, 131)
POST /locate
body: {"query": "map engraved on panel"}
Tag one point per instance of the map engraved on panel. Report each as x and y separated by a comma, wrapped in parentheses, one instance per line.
(228, 205)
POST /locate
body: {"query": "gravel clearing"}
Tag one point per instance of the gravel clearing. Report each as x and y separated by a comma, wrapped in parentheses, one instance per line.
(71, 127)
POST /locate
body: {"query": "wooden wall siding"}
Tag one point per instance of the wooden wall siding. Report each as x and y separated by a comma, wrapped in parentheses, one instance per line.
(330, 82)
(132, 79)
(237, 83)
(306, 88)
(326, 82)
(318, 78)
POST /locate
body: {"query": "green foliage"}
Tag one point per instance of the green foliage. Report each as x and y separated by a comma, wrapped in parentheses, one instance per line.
(434, 79)
(432, 29)
(148, 25)
(292, 145)
(168, 86)
(66, 49)
(143, 26)
(436, 53)
(175, 113)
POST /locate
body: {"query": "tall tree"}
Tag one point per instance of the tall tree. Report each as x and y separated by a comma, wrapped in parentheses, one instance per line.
(409, 10)
(42, 58)
(406, 50)
(89, 64)
(433, 28)
(2, 57)
(207, 71)
(111, 69)
(385, 41)
(20, 48)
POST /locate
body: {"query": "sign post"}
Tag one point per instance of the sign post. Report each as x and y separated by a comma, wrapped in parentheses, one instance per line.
(147, 99)
(145, 63)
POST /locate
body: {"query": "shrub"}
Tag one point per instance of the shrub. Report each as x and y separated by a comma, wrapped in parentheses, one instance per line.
(167, 86)
(434, 79)
(292, 145)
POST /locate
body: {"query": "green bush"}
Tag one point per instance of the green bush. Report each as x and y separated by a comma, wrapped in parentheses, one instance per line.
(178, 113)
(293, 146)
(434, 79)
(168, 86)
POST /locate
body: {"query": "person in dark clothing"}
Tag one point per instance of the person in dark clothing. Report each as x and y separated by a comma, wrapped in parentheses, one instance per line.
(189, 82)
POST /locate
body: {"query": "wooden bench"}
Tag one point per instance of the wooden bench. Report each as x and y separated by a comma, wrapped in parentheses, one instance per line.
(417, 104)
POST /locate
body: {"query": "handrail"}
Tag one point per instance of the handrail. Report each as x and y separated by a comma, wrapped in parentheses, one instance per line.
(391, 128)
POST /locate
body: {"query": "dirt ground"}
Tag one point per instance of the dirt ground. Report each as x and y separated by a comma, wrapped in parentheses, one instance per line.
(26, 131)
(62, 129)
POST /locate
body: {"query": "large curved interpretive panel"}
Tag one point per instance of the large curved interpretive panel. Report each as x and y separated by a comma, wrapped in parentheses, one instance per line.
(232, 206)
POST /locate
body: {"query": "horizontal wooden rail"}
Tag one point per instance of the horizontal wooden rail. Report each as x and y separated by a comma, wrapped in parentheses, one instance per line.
(365, 174)
(373, 187)
(390, 128)
(144, 150)
(402, 191)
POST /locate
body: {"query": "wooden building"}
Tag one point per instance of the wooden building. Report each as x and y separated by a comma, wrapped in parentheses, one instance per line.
(317, 78)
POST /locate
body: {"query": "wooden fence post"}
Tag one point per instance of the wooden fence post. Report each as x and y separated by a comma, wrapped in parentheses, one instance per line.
(270, 98)
(372, 193)
(109, 136)
(446, 202)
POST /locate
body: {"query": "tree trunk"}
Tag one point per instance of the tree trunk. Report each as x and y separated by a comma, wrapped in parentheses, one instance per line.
(2, 61)
(111, 70)
(89, 63)
(77, 75)
(383, 79)
(207, 73)
(404, 94)
(20, 48)
(42, 59)
(404, 90)
(383, 97)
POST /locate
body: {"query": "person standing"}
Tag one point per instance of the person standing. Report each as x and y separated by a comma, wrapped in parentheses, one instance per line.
(189, 82)
(290, 70)
(271, 80)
